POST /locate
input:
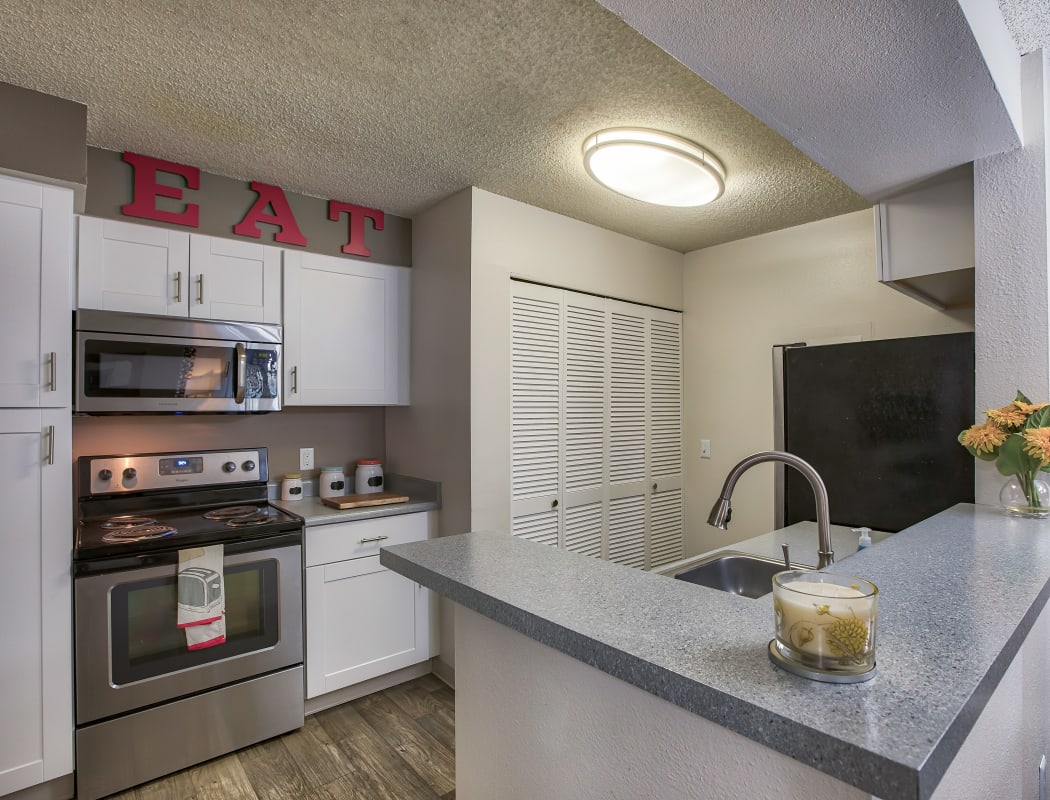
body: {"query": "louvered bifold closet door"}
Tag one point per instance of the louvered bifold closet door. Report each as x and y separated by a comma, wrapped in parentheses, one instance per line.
(628, 409)
(536, 357)
(586, 338)
(665, 437)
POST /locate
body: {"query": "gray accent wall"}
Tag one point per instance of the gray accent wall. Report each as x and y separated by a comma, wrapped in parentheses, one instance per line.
(42, 136)
(224, 202)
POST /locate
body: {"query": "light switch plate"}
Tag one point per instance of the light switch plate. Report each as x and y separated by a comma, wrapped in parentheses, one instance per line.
(705, 448)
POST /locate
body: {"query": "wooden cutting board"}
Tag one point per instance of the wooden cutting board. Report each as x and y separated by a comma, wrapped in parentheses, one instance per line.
(358, 500)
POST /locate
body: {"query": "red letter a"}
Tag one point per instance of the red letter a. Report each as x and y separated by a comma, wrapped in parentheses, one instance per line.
(282, 216)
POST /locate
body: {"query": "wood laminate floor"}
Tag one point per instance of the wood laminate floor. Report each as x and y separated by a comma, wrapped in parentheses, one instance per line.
(393, 745)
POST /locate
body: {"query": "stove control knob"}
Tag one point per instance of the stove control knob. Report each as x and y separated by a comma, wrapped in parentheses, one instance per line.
(130, 473)
(248, 466)
(105, 474)
(229, 466)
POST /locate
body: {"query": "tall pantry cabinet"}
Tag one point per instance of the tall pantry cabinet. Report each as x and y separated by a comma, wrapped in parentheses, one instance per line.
(36, 680)
(596, 416)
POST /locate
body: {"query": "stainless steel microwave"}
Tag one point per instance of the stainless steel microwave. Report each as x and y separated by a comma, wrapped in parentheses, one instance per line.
(145, 364)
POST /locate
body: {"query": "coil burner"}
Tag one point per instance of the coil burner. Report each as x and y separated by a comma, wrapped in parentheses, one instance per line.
(137, 533)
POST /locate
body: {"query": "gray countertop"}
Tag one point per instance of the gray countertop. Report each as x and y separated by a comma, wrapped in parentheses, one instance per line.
(423, 495)
(940, 653)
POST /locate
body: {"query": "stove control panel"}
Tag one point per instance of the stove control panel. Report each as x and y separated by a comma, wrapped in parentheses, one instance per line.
(158, 471)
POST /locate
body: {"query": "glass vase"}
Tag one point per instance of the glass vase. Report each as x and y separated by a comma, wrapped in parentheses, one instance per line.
(1026, 496)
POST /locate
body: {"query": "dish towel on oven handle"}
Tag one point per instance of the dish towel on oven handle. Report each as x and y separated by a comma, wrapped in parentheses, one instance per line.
(202, 596)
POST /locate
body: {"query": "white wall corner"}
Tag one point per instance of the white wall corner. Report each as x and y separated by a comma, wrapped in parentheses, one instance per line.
(1012, 310)
(1000, 54)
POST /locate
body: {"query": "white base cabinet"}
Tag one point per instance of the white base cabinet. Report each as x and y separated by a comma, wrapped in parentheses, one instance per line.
(346, 329)
(362, 620)
(36, 669)
(150, 270)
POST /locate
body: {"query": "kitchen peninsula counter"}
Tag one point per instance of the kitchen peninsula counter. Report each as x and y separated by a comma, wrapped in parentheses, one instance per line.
(959, 595)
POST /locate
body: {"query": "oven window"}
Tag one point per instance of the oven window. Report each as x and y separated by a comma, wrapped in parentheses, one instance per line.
(147, 643)
(156, 369)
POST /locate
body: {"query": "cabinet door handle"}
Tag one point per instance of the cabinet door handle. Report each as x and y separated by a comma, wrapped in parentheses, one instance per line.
(200, 289)
(49, 432)
(654, 486)
(178, 286)
(554, 503)
(295, 380)
(52, 360)
(374, 539)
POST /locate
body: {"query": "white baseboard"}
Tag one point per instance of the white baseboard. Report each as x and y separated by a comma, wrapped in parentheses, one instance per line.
(378, 684)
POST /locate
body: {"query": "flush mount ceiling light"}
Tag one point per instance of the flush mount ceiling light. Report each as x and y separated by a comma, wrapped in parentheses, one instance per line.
(654, 167)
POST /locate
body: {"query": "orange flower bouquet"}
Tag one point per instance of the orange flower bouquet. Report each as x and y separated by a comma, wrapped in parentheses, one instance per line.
(1017, 438)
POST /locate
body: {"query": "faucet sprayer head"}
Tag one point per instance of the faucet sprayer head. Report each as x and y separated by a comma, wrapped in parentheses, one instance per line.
(721, 513)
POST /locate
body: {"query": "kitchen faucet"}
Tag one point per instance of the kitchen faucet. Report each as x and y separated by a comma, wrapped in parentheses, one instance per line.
(722, 511)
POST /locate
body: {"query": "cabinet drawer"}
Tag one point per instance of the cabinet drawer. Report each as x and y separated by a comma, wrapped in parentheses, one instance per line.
(339, 541)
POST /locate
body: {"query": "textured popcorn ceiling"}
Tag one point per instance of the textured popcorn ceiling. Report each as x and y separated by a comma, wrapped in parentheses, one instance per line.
(1028, 22)
(397, 104)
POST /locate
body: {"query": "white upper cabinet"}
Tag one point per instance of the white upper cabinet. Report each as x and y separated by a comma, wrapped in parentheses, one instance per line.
(36, 231)
(148, 270)
(924, 240)
(234, 280)
(346, 332)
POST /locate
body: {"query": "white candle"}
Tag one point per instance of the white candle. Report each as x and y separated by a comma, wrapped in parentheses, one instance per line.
(825, 619)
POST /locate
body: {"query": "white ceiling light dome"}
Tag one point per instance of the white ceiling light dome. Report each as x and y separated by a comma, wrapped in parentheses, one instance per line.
(654, 167)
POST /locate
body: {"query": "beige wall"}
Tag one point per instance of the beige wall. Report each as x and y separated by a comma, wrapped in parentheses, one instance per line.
(511, 239)
(431, 437)
(814, 282)
(339, 436)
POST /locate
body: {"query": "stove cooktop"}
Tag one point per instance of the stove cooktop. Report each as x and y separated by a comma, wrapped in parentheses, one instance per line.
(175, 529)
(134, 504)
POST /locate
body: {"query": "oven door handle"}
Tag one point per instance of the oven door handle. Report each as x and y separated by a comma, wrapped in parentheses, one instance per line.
(163, 558)
(242, 372)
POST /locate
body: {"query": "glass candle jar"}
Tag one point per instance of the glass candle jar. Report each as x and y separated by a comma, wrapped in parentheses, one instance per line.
(824, 621)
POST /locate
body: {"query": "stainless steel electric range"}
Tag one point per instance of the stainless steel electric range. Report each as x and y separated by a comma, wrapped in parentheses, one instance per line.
(146, 705)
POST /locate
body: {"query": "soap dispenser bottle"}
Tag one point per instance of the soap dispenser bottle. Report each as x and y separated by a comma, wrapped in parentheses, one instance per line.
(864, 539)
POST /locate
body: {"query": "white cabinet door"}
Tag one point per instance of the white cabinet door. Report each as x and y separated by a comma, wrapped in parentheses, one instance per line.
(234, 280)
(35, 265)
(362, 620)
(136, 268)
(346, 332)
(36, 726)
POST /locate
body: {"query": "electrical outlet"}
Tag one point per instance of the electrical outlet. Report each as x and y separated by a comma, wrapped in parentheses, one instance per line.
(705, 448)
(306, 458)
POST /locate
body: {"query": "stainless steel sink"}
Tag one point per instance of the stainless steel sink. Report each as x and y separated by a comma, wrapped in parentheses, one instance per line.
(737, 573)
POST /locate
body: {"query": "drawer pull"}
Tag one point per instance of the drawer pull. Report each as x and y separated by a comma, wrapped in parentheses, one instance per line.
(374, 539)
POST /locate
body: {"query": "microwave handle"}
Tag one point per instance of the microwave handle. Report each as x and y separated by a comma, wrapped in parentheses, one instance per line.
(242, 372)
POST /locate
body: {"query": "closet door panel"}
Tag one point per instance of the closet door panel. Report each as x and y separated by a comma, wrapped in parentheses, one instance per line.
(536, 470)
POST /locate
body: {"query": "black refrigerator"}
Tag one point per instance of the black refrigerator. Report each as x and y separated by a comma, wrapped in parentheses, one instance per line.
(879, 420)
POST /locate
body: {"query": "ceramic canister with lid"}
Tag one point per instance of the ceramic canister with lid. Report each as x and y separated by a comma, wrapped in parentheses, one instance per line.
(368, 477)
(332, 482)
(292, 487)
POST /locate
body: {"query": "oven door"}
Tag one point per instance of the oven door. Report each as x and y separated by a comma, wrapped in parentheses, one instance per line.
(129, 653)
(136, 373)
